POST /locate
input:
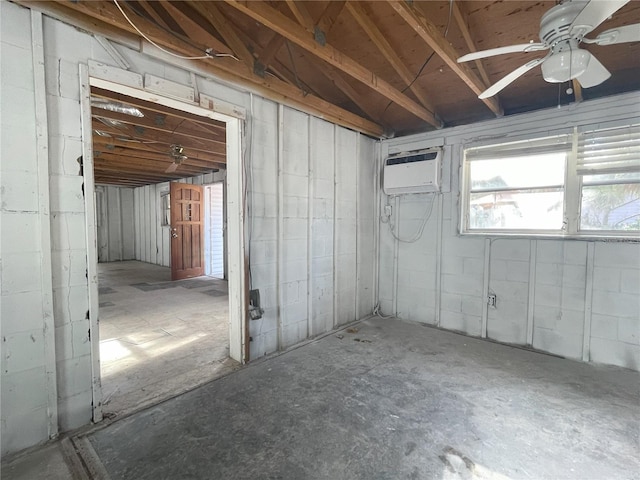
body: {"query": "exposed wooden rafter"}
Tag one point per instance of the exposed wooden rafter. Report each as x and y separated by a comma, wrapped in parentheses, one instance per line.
(225, 68)
(377, 37)
(436, 40)
(286, 27)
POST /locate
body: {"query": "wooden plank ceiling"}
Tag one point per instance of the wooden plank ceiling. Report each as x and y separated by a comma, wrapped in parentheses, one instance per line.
(139, 143)
(380, 67)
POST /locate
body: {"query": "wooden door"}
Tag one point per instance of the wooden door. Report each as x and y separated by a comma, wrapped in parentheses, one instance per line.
(187, 231)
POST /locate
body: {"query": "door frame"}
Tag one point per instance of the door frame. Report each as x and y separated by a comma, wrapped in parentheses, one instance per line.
(236, 210)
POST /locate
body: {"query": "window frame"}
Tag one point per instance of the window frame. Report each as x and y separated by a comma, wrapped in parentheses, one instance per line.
(572, 194)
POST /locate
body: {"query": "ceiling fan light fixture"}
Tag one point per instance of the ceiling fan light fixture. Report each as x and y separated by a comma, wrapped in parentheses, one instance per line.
(566, 65)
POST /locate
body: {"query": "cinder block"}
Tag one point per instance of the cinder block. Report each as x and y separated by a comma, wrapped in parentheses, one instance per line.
(517, 271)
(63, 155)
(294, 313)
(606, 279)
(68, 231)
(263, 276)
(629, 330)
(294, 270)
(22, 351)
(465, 285)
(265, 134)
(469, 324)
(604, 326)
(68, 268)
(75, 411)
(511, 249)
(452, 265)
(64, 117)
(561, 251)
(256, 204)
(294, 333)
(290, 293)
(568, 345)
(451, 302)
(322, 266)
(24, 392)
(295, 249)
(270, 206)
(23, 429)
(472, 305)
(295, 228)
(20, 232)
(21, 272)
(265, 111)
(324, 189)
(64, 41)
(264, 229)
(615, 353)
(15, 25)
(21, 312)
(514, 291)
(463, 247)
(507, 331)
(66, 193)
(18, 106)
(295, 185)
(19, 191)
(74, 376)
(618, 304)
(16, 68)
(64, 342)
(630, 281)
(18, 149)
(617, 254)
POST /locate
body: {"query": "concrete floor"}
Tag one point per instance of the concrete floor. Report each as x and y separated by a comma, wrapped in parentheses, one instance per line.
(159, 338)
(392, 400)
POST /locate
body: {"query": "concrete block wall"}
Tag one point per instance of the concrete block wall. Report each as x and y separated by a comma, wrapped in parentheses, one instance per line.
(25, 401)
(310, 184)
(275, 179)
(115, 219)
(575, 298)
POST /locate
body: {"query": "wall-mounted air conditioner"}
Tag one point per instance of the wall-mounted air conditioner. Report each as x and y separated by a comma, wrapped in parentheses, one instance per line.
(412, 172)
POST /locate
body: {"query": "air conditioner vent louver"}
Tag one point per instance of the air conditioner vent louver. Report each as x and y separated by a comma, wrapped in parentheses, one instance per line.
(412, 172)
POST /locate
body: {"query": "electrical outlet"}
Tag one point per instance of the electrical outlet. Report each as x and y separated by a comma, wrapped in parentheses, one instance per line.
(387, 210)
(492, 300)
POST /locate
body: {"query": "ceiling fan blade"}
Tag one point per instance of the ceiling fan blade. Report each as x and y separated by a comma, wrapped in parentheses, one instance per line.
(523, 47)
(628, 33)
(593, 14)
(172, 168)
(517, 73)
(595, 74)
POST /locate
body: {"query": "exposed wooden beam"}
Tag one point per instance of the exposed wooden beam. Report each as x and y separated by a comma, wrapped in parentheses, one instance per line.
(358, 12)
(216, 127)
(436, 40)
(129, 131)
(150, 123)
(331, 13)
(458, 15)
(157, 155)
(224, 68)
(286, 27)
(214, 17)
(193, 29)
(167, 19)
(150, 150)
(302, 14)
(270, 51)
(121, 169)
(148, 8)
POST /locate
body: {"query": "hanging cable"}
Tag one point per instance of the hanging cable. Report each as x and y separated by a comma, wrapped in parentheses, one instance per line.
(208, 51)
(418, 234)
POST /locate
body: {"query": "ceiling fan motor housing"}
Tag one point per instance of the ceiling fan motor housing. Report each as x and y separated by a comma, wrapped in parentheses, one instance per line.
(555, 23)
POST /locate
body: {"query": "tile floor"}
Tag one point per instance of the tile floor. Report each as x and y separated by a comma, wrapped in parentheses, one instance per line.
(158, 338)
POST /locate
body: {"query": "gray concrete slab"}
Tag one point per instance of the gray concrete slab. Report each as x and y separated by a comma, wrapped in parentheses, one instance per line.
(403, 401)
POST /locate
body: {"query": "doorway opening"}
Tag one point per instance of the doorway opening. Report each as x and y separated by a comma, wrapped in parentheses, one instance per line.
(170, 315)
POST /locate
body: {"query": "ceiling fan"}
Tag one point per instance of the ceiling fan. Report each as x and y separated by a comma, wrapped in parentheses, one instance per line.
(176, 152)
(562, 29)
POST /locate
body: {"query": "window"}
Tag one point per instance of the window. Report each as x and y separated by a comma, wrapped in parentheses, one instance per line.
(165, 209)
(581, 184)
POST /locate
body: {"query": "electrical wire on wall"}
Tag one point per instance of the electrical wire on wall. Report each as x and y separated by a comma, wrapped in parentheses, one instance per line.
(419, 232)
(208, 53)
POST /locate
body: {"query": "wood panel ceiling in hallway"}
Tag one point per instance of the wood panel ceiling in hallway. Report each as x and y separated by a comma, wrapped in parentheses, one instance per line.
(381, 67)
(136, 142)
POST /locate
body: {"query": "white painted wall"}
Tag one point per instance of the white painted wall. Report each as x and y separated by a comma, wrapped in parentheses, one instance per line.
(575, 298)
(308, 180)
(311, 183)
(115, 209)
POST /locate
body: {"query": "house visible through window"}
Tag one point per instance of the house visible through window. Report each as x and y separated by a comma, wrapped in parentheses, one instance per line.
(586, 183)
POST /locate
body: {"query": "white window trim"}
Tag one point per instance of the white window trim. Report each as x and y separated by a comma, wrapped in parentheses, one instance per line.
(572, 197)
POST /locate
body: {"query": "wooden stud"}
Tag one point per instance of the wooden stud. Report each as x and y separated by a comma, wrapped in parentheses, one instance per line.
(302, 14)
